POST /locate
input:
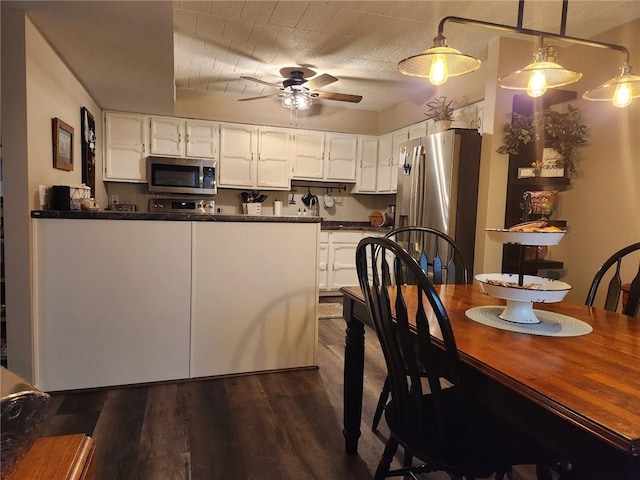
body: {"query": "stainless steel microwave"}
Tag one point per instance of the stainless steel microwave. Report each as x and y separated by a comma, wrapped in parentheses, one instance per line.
(181, 175)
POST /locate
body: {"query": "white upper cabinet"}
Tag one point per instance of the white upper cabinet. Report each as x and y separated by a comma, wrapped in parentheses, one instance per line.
(203, 139)
(384, 182)
(322, 156)
(341, 151)
(308, 154)
(237, 163)
(167, 136)
(252, 157)
(177, 137)
(274, 152)
(367, 165)
(126, 147)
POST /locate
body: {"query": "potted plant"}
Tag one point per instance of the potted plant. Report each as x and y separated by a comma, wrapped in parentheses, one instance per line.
(565, 132)
(441, 112)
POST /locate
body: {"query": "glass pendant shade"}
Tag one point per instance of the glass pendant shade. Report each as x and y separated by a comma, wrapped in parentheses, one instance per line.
(438, 63)
(539, 75)
(296, 100)
(620, 90)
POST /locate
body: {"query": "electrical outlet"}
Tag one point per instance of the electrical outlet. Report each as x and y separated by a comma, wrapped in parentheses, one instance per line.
(115, 199)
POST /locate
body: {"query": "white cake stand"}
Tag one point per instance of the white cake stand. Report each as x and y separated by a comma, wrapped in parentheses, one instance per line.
(520, 299)
(522, 291)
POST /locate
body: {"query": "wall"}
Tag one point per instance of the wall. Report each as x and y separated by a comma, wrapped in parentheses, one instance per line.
(602, 206)
(39, 88)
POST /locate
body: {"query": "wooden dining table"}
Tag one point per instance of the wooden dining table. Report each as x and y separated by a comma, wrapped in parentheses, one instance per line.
(580, 395)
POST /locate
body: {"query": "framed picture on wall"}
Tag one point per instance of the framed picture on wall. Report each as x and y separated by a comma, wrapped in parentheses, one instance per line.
(62, 145)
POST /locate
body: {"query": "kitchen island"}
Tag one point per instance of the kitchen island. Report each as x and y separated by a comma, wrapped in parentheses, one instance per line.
(125, 297)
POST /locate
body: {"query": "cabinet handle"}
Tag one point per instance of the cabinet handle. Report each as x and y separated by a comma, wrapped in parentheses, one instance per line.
(187, 139)
(179, 137)
(258, 156)
(252, 156)
(143, 148)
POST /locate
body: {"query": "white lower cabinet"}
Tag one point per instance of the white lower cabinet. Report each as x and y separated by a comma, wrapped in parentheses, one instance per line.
(254, 297)
(337, 258)
(112, 302)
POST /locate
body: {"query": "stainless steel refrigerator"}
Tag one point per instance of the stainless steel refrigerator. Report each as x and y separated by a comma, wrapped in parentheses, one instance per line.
(438, 185)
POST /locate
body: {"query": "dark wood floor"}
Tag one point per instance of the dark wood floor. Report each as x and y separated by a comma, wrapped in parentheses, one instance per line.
(285, 425)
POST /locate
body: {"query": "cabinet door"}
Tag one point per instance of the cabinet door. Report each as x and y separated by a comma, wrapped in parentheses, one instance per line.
(342, 257)
(323, 261)
(237, 166)
(366, 172)
(418, 130)
(385, 164)
(126, 147)
(202, 139)
(398, 137)
(340, 158)
(167, 135)
(308, 158)
(273, 158)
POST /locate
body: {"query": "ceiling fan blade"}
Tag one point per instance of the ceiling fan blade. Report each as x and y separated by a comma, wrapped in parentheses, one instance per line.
(256, 98)
(340, 97)
(320, 81)
(260, 81)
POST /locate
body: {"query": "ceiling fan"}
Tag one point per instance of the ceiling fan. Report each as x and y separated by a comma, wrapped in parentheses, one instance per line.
(297, 86)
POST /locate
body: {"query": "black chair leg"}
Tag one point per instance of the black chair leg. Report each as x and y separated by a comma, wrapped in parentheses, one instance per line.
(382, 401)
(384, 464)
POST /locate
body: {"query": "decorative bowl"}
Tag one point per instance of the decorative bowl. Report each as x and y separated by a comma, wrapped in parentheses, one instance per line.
(525, 238)
(519, 299)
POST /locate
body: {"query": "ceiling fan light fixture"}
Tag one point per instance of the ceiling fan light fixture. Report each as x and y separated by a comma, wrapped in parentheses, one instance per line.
(620, 90)
(297, 99)
(438, 63)
(540, 74)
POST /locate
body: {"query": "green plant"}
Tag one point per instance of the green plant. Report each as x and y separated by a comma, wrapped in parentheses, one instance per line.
(440, 109)
(565, 132)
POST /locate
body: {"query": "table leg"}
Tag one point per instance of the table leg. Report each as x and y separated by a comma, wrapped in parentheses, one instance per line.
(353, 377)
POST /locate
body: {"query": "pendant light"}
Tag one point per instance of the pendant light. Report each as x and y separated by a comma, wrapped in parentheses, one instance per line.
(441, 62)
(540, 74)
(438, 63)
(620, 90)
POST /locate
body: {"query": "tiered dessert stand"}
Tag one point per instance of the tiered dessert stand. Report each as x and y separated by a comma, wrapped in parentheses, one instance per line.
(521, 291)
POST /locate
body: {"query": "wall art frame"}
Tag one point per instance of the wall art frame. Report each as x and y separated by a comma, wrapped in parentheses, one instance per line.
(62, 145)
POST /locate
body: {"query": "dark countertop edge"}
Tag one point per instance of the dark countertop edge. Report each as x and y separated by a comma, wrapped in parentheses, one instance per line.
(179, 217)
(331, 225)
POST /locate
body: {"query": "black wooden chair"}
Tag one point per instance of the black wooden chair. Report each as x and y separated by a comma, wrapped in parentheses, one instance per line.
(443, 262)
(613, 265)
(430, 413)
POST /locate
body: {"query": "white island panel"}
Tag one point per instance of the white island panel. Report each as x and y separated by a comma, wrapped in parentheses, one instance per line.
(112, 302)
(254, 297)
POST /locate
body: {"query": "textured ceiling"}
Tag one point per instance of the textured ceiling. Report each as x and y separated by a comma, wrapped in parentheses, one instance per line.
(122, 51)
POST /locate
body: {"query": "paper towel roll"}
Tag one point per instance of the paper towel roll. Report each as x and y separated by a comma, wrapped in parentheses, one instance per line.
(277, 208)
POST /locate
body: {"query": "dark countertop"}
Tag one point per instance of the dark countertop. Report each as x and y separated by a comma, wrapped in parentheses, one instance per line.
(181, 217)
(358, 226)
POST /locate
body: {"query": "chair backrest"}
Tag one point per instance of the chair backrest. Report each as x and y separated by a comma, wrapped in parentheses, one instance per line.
(436, 253)
(629, 255)
(405, 314)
